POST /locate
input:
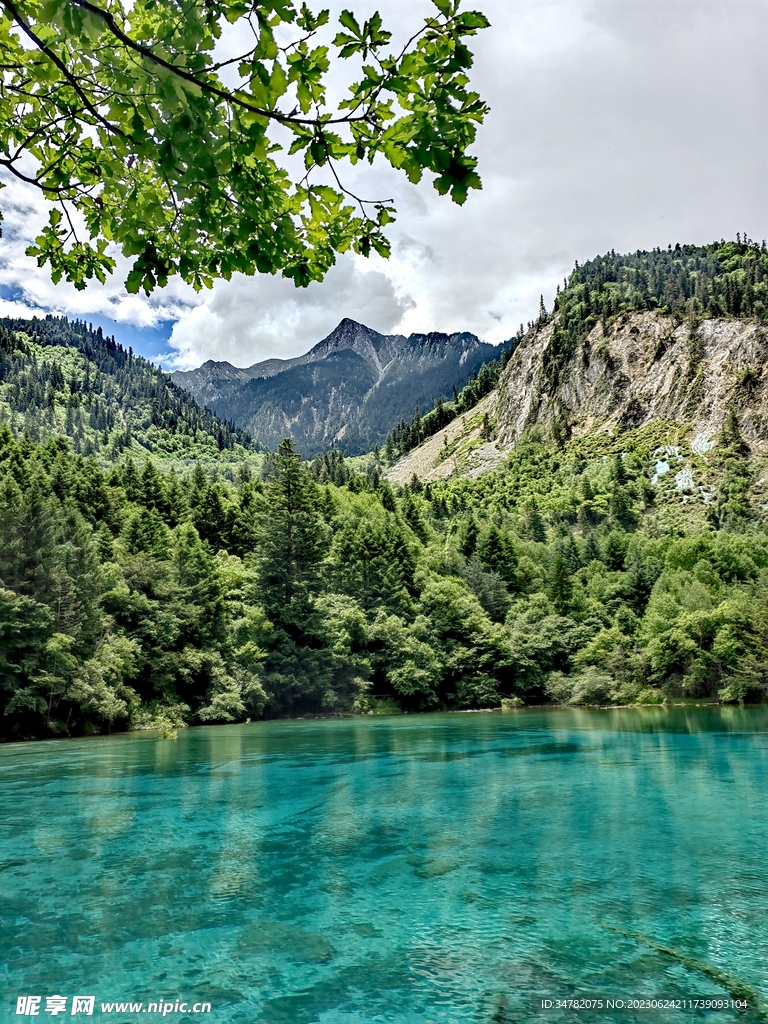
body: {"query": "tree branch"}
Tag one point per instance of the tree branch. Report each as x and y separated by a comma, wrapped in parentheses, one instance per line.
(192, 77)
(55, 59)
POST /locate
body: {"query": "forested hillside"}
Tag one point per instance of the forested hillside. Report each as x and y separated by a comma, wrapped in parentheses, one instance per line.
(134, 598)
(601, 561)
(723, 279)
(61, 378)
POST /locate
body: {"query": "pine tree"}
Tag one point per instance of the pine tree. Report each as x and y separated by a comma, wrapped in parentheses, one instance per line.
(534, 524)
(412, 516)
(198, 483)
(153, 490)
(560, 586)
(291, 543)
(131, 482)
(105, 544)
(591, 548)
(468, 537)
(386, 497)
(614, 551)
(146, 533)
(210, 517)
(498, 554)
(27, 541)
(201, 596)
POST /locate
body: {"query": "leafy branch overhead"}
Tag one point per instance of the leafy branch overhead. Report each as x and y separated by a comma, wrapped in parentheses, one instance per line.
(128, 119)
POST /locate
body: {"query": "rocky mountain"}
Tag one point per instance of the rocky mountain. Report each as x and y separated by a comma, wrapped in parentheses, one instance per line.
(346, 392)
(644, 367)
(591, 367)
(642, 370)
(206, 383)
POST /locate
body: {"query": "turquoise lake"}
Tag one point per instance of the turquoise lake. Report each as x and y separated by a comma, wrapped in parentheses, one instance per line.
(434, 868)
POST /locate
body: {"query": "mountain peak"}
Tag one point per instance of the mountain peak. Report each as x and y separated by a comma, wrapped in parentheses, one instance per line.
(348, 331)
(350, 388)
(352, 336)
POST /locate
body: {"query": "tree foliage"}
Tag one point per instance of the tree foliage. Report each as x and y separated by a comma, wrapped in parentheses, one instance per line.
(129, 119)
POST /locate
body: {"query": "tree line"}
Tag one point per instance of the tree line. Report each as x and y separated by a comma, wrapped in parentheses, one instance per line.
(135, 597)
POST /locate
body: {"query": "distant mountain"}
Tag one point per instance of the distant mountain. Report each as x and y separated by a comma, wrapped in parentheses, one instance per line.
(346, 392)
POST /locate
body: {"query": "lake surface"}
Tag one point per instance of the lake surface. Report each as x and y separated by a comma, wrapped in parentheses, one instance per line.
(433, 868)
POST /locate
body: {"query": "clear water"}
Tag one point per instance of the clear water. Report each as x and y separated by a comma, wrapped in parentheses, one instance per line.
(435, 868)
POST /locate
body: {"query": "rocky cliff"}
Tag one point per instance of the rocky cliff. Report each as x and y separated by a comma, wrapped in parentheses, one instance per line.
(645, 367)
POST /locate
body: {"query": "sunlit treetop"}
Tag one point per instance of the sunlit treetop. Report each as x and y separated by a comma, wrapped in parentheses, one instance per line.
(126, 118)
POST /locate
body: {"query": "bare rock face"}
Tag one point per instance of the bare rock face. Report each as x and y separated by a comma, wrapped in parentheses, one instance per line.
(645, 367)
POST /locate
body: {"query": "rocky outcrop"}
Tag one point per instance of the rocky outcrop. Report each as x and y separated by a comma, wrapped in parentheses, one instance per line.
(643, 368)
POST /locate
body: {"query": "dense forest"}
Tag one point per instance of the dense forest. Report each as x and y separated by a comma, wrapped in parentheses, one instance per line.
(60, 377)
(136, 598)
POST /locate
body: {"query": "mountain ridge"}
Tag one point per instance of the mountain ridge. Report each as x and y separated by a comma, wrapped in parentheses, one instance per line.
(641, 371)
(348, 389)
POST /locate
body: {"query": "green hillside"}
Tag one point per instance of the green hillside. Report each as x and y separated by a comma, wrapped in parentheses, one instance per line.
(60, 378)
(134, 598)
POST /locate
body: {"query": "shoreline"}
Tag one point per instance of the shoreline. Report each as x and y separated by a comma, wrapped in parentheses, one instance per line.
(666, 706)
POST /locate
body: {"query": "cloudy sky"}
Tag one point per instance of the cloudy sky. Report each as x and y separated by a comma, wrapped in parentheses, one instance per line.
(617, 124)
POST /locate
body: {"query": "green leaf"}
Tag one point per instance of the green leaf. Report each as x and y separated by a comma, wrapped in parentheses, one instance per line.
(145, 149)
(472, 20)
(348, 20)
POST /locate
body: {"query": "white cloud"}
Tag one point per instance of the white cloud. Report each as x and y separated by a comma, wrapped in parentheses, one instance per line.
(248, 319)
(24, 215)
(614, 124)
